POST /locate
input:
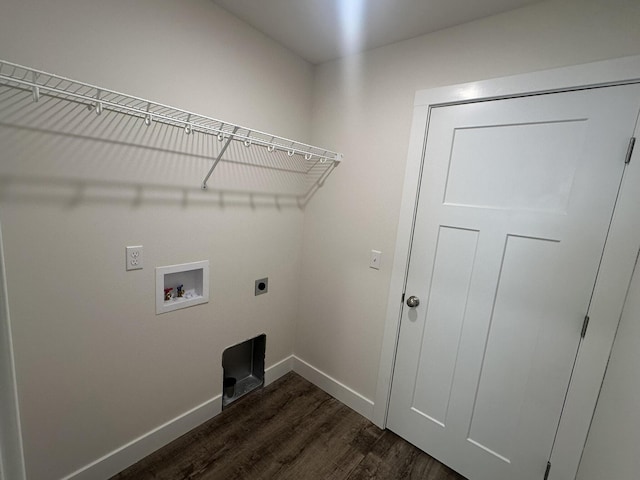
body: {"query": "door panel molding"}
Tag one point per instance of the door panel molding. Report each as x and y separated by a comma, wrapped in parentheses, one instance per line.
(615, 271)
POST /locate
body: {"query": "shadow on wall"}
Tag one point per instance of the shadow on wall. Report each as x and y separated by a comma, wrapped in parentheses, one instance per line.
(59, 151)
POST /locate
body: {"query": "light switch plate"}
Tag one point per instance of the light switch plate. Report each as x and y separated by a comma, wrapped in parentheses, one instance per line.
(375, 259)
(135, 258)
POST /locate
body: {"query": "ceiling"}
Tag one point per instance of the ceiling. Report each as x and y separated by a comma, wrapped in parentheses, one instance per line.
(322, 30)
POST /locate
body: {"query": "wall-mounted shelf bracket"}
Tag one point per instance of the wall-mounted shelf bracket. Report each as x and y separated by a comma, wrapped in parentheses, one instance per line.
(215, 162)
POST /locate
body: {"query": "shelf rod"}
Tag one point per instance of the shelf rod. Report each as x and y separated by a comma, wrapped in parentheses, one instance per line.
(215, 162)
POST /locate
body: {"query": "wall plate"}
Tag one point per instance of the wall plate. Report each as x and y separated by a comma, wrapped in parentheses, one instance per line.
(191, 278)
(135, 257)
(262, 286)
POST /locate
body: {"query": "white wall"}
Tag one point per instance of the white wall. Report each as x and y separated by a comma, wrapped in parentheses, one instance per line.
(96, 367)
(612, 445)
(363, 106)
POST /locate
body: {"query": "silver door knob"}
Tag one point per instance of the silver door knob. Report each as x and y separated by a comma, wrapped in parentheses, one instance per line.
(413, 301)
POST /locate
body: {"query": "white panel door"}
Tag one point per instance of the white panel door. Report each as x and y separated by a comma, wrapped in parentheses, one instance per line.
(515, 201)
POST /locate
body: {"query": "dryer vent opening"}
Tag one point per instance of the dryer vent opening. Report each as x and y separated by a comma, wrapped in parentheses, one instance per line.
(243, 369)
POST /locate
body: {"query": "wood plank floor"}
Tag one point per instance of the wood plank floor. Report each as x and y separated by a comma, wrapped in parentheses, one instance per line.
(288, 430)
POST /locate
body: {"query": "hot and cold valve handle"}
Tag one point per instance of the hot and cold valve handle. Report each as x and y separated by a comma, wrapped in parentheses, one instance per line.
(413, 301)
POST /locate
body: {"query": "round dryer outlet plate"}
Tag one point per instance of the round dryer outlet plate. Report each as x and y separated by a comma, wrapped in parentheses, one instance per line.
(262, 286)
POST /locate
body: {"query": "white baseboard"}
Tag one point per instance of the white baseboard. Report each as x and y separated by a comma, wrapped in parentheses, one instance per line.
(277, 370)
(333, 387)
(126, 455)
(137, 449)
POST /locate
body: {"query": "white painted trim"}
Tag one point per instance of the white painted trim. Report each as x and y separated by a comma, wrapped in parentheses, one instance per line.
(614, 275)
(130, 453)
(607, 304)
(277, 370)
(607, 72)
(333, 387)
(12, 465)
(400, 263)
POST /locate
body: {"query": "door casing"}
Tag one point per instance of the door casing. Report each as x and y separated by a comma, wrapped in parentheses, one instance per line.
(11, 452)
(617, 262)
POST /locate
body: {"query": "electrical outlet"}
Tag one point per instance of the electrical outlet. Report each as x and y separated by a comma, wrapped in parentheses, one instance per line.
(262, 286)
(134, 258)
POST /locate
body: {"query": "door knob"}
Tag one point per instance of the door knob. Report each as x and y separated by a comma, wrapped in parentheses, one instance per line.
(413, 301)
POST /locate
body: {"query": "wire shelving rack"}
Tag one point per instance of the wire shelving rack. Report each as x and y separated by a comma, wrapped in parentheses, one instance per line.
(100, 99)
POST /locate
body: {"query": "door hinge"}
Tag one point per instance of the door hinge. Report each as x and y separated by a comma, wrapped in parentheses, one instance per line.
(546, 472)
(585, 325)
(632, 144)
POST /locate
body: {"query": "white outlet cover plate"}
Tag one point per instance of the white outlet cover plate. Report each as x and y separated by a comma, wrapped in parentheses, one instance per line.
(375, 259)
(135, 258)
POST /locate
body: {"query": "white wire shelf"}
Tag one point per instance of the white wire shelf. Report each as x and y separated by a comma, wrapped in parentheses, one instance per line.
(100, 99)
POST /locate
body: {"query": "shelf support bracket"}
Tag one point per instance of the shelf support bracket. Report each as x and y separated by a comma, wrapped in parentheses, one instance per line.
(215, 162)
(35, 89)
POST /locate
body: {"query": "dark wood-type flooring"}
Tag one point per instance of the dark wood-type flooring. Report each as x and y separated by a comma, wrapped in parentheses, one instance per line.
(288, 430)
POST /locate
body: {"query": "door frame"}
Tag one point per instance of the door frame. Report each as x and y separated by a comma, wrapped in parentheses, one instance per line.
(12, 465)
(615, 271)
